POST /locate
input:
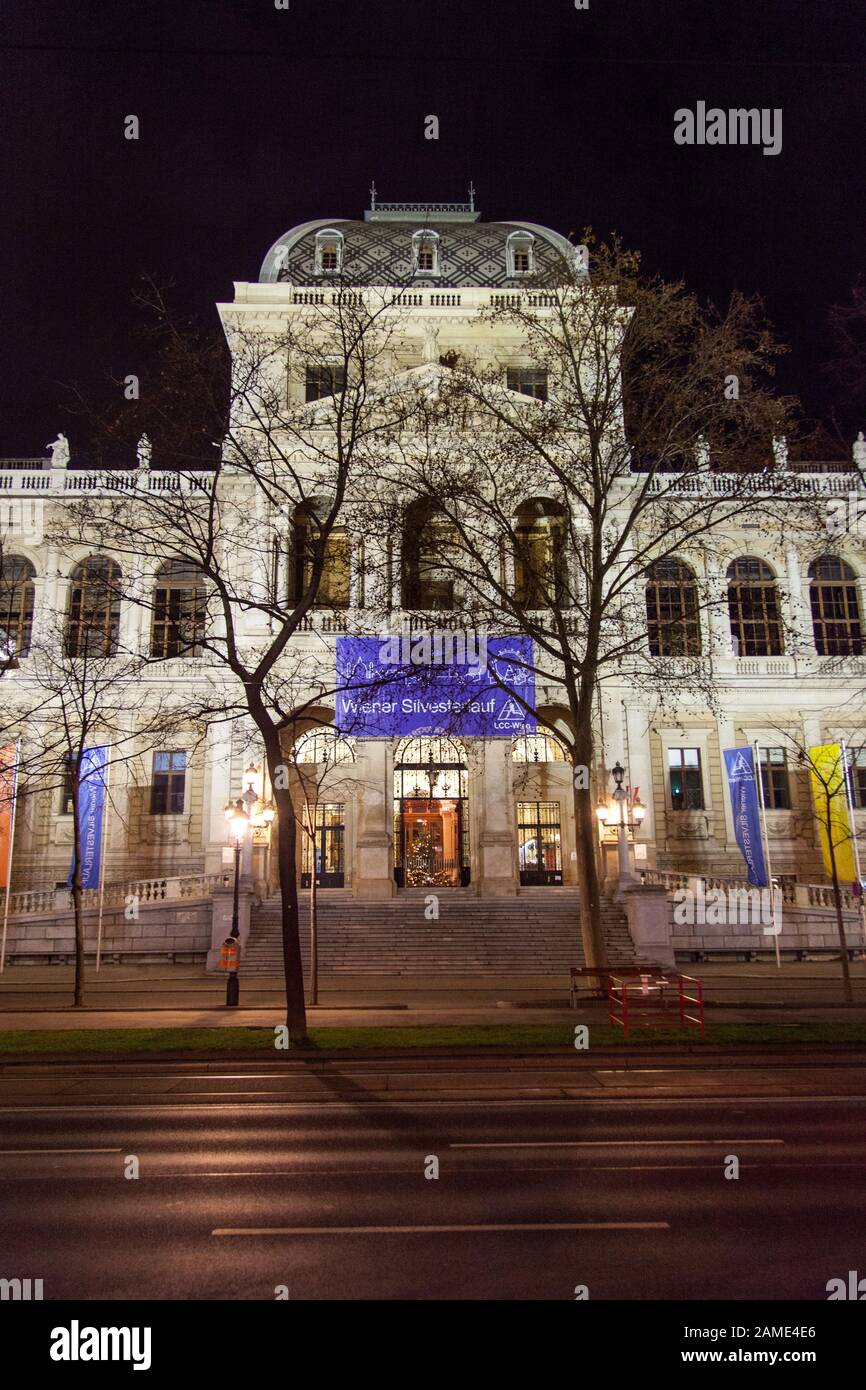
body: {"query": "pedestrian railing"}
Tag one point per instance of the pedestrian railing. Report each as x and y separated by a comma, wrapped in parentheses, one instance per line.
(656, 1000)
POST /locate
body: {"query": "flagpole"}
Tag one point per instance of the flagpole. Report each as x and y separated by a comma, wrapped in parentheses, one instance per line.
(9, 858)
(104, 837)
(852, 823)
(756, 755)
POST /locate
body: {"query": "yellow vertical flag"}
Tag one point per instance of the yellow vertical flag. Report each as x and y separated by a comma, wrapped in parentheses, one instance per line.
(834, 819)
(8, 756)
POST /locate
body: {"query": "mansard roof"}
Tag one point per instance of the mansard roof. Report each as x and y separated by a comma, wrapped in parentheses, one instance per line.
(379, 250)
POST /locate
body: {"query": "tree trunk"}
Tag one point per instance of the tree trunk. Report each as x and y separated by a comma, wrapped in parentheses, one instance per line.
(594, 947)
(77, 903)
(314, 934)
(840, 924)
(296, 1013)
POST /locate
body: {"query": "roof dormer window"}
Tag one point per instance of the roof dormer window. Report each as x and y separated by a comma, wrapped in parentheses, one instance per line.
(425, 253)
(520, 253)
(329, 252)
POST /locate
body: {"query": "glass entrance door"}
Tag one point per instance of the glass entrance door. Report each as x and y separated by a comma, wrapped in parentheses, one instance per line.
(430, 833)
(327, 846)
(431, 825)
(539, 842)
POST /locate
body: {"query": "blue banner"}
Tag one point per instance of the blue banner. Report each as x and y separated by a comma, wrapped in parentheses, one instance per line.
(435, 683)
(742, 784)
(91, 807)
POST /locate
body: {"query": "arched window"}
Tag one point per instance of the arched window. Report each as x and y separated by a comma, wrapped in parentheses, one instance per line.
(93, 617)
(425, 252)
(322, 745)
(835, 604)
(329, 252)
(520, 254)
(16, 605)
(539, 554)
(309, 549)
(178, 610)
(537, 748)
(429, 538)
(753, 606)
(673, 627)
(437, 751)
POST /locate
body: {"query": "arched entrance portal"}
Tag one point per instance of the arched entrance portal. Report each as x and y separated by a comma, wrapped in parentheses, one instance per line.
(431, 822)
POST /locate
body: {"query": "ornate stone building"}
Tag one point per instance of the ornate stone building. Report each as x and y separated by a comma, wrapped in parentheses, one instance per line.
(487, 817)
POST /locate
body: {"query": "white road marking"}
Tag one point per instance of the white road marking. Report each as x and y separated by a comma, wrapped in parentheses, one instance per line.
(440, 1230)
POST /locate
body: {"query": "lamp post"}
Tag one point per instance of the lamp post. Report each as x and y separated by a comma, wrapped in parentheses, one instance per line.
(619, 813)
(238, 821)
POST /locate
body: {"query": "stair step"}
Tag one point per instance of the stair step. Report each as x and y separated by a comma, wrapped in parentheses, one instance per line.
(534, 933)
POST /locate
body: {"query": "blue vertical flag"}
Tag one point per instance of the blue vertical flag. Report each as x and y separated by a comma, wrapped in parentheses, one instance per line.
(91, 807)
(743, 786)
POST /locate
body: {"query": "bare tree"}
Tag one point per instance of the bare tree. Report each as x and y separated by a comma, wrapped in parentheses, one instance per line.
(78, 690)
(304, 419)
(830, 788)
(640, 430)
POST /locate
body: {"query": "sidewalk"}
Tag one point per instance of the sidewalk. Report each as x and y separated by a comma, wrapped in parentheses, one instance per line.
(152, 996)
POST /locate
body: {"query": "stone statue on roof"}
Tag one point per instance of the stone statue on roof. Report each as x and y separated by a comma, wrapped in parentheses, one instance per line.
(59, 451)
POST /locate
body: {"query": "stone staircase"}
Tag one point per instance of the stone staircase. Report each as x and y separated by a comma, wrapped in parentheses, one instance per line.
(535, 933)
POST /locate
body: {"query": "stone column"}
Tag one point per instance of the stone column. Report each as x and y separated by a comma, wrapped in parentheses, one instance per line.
(717, 615)
(496, 857)
(373, 875)
(217, 791)
(727, 739)
(640, 771)
(797, 607)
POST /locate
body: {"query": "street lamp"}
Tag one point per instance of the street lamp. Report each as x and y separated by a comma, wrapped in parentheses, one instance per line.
(624, 817)
(238, 821)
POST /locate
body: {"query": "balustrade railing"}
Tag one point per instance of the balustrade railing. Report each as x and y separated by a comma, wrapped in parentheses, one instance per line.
(793, 894)
(41, 901)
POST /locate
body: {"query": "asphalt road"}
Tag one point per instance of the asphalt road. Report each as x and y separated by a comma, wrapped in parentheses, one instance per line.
(622, 1190)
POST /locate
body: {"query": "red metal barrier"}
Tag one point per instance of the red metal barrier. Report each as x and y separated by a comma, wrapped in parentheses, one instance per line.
(651, 1000)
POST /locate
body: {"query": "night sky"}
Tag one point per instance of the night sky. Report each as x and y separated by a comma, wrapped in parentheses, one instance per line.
(254, 119)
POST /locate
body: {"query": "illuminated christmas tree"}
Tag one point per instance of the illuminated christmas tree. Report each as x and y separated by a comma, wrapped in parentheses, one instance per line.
(421, 867)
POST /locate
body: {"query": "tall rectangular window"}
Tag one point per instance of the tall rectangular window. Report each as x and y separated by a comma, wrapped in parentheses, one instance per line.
(686, 782)
(67, 793)
(857, 761)
(774, 779)
(168, 788)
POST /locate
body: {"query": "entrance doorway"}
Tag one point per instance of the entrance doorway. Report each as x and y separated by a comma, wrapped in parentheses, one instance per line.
(539, 842)
(431, 843)
(325, 847)
(431, 832)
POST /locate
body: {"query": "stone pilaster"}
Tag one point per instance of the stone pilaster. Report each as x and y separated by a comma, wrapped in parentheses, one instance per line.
(496, 853)
(373, 862)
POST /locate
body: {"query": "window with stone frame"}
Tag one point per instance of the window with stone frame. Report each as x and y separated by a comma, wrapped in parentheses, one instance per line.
(168, 784)
(673, 625)
(775, 783)
(835, 604)
(857, 766)
(324, 380)
(685, 779)
(753, 608)
(17, 598)
(529, 381)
